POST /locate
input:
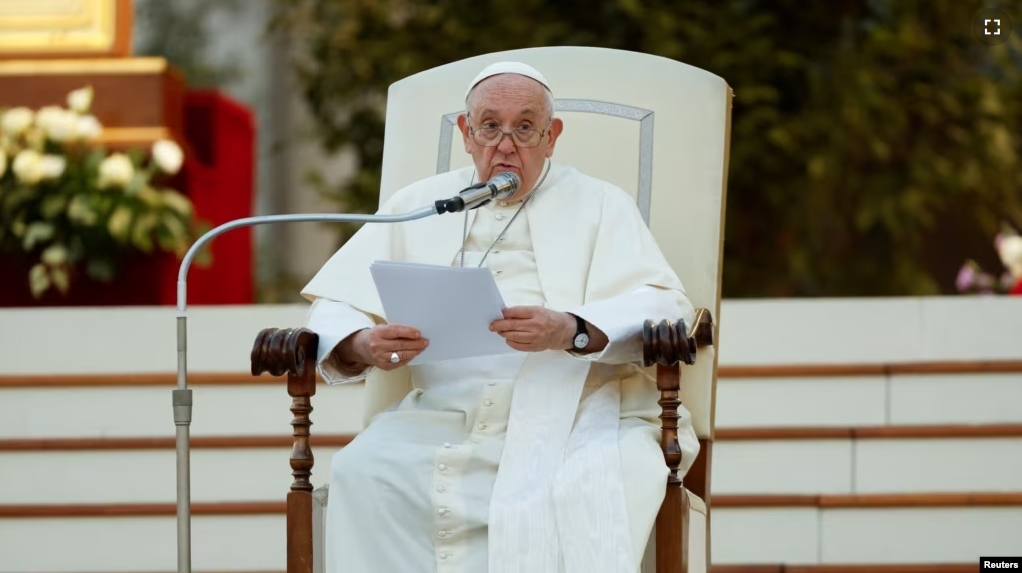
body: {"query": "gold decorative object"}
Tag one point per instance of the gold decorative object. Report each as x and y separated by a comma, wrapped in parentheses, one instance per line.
(139, 100)
(65, 28)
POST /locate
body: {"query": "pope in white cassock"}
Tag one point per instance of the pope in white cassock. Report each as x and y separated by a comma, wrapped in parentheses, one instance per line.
(540, 461)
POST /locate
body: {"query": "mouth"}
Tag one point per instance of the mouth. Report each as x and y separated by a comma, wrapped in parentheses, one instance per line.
(505, 167)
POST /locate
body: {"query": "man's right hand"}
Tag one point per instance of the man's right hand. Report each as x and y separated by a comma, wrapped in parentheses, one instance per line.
(375, 346)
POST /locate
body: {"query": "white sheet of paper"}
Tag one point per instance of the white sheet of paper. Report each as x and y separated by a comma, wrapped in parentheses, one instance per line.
(451, 306)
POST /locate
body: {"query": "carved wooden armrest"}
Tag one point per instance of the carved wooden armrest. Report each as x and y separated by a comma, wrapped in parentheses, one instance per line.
(282, 351)
(293, 351)
(667, 344)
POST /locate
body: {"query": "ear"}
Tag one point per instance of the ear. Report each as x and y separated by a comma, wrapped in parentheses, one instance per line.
(463, 127)
(556, 127)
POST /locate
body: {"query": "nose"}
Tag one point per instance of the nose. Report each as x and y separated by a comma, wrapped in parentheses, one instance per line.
(507, 144)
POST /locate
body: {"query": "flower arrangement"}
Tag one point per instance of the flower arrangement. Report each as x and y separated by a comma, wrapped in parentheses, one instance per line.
(73, 207)
(972, 279)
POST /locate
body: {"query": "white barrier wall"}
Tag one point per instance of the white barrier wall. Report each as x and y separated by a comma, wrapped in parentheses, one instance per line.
(752, 332)
(904, 445)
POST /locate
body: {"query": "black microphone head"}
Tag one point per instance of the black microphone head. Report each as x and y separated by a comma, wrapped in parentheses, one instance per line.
(504, 184)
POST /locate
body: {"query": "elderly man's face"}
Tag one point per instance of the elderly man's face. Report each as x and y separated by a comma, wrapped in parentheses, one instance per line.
(509, 102)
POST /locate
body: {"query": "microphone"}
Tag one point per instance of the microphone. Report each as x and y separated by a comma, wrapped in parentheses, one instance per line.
(500, 186)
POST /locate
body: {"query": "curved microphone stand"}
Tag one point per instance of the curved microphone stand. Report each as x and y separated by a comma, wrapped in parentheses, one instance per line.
(502, 185)
(182, 398)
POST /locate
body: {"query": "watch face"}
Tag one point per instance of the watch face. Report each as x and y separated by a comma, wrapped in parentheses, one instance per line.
(582, 340)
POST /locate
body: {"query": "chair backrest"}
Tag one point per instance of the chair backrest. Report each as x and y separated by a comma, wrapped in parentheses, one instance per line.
(657, 128)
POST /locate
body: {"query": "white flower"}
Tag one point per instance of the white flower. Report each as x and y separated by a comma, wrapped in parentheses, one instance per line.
(3, 162)
(80, 100)
(1010, 250)
(58, 123)
(16, 120)
(52, 166)
(88, 127)
(116, 171)
(28, 167)
(45, 115)
(168, 156)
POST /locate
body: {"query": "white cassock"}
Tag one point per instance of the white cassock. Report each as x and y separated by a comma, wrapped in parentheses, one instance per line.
(523, 463)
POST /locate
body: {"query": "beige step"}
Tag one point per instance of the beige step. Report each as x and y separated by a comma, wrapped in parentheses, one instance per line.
(794, 530)
(67, 405)
(745, 461)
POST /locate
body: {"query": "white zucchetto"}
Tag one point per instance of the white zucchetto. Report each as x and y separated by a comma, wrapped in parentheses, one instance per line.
(508, 68)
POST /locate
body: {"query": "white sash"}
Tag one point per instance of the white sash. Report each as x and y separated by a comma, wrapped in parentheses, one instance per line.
(558, 501)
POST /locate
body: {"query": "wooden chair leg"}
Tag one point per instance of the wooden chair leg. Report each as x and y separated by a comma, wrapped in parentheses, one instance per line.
(672, 528)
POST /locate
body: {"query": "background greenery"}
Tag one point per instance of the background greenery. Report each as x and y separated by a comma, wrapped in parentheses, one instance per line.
(874, 143)
(178, 32)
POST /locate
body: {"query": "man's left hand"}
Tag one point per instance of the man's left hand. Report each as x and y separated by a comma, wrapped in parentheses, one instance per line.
(535, 328)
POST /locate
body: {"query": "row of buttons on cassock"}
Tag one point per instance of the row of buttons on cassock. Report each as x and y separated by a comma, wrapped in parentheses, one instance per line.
(442, 468)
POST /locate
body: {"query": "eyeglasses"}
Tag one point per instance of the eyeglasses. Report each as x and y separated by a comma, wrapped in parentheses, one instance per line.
(492, 136)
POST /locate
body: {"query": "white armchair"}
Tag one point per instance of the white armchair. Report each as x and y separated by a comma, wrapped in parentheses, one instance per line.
(658, 129)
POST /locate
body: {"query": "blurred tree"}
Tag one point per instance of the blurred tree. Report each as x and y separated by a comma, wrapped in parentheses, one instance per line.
(178, 32)
(862, 130)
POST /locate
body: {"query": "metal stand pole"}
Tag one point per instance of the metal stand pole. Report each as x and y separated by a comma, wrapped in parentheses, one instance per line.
(182, 396)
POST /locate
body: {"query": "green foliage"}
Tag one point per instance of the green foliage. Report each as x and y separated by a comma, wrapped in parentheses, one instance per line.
(72, 208)
(176, 31)
(860, 128)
